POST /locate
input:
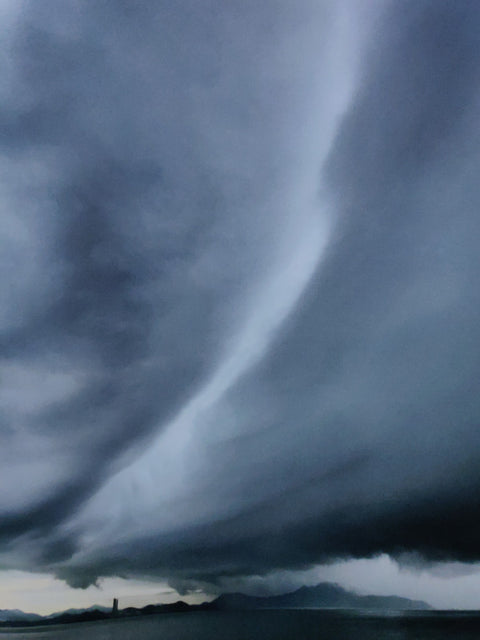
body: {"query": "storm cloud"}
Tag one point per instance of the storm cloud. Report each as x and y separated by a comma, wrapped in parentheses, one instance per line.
(240, 315)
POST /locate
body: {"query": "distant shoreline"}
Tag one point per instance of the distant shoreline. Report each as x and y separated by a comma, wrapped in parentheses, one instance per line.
(324, 596)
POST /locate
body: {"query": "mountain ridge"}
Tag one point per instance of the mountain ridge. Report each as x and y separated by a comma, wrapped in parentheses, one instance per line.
(325, 595)
(16, 614)
(321, 596)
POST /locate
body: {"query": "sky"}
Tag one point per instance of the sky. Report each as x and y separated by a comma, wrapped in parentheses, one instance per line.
(240, 315)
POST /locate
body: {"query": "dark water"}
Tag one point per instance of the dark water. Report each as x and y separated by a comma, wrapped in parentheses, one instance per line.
(266, 625)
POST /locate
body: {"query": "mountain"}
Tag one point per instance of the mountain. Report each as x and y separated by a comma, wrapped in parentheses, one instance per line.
(321, 596)
(15, 615)
(76, 612)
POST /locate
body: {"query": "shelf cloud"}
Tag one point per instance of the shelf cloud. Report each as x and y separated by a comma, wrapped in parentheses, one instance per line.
(240, 313)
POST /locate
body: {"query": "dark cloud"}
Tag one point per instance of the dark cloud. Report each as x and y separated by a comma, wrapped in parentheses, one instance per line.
(138, 235)
(208, 388)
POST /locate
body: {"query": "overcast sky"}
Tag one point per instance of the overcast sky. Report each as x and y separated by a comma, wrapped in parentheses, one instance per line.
(240, 312)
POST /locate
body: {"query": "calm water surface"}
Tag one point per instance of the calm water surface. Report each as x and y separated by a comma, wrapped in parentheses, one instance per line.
(266, 625)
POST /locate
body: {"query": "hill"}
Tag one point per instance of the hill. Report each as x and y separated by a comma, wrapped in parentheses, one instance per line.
(322, 596)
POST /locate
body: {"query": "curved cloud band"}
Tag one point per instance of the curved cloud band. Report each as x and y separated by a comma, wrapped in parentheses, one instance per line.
(240, 326)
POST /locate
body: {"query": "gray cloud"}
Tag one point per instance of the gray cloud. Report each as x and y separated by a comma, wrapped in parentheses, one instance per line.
(247, 340)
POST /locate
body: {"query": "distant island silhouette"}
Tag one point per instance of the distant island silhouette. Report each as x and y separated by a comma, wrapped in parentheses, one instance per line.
(325, 595)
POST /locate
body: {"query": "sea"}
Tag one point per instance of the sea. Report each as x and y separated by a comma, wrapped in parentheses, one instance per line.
(266, 625)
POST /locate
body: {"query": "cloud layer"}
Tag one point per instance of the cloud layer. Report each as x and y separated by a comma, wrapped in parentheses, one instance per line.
(240, 326)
